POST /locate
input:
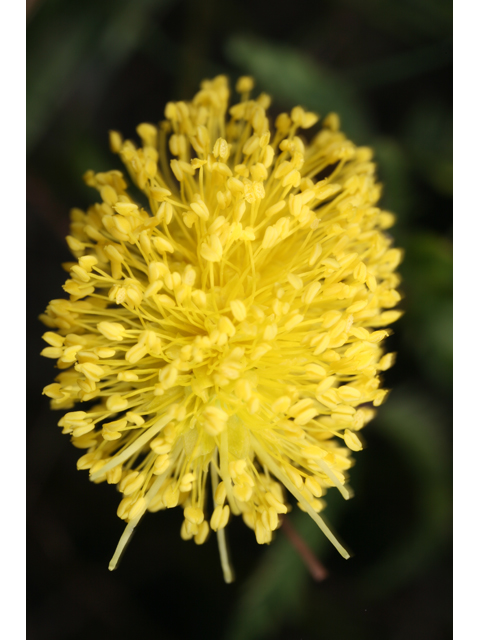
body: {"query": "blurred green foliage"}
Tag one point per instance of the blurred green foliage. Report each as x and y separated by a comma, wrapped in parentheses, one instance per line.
(293, 77)
(385, 67)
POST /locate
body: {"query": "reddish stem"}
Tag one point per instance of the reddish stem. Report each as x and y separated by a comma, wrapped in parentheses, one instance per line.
(314, 566)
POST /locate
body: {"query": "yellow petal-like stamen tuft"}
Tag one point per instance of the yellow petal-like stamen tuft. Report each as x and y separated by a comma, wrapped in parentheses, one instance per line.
(232, 328)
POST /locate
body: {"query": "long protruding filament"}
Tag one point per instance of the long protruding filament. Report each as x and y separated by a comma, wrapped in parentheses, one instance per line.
(266, 459)
(228, 573)
(129, 529)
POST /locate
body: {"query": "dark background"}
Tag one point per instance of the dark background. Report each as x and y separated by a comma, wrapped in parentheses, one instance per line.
(385, 67)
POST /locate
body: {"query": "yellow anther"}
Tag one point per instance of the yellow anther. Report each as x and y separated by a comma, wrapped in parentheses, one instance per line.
(332, 121)
(53, 339)
(306, 416)
(260, 351)
(268, 156)
(132, 483)
(360, 272)
(243, 389)
(316, 370)
(292, 179)
(86, 461)
(221, 149)
(109, 195)
(110, 434)
(55, 391)
(300, 406)
(74, 244)
(186, 482)
(203, 531)
(52, 352)
(259, 124)
(274, 502)
(117, 403)
(297, 115)
(177, 170)
(270, 238)
(113, 253)
(294, 321)
(138, 507)
(223, 169)
(225, 325)
(159, 194)
(82, 429)
(125, 208)
(162, 245)
(270, 332)
(114, 475)
(186, 530)
(262, 535)
(251, 145)
(200, 208)
(259, 172)
(148, 133)
(352, 440)
(194, 515)
(283, 123)
(379, 397)
(348, 393)
(161, 464)
(295, 477)
(275, 208)
(237, 467)
(281, 405)
(273, 520)
(156, 270)
(214, 420)
(212, 250)
(79, 273)
(189, 276)
(220, 494)
(116, 425)
(199, 298)
(242, 170)
(295, 281)
(168, 376)
(309, 119)
(127, 376)
(160, 446)
(136, 353)
(253, 405)
(91, 371)
(70, 353)
(216, 518)
(242, 492)
(238, 309)
(386, 361)
(244, 84)
(326, 191)
(124, 507)
(115, 141)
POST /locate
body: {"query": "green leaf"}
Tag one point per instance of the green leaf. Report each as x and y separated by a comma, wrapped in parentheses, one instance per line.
(403, 66)
(275, 592)
(428, 132)
(293, 78)
(91, 41)
(417, 430)
(409, 20)
(428, 288)
(394, 174)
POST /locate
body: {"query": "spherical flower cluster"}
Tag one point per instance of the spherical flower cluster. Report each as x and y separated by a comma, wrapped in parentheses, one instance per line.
(229, 331)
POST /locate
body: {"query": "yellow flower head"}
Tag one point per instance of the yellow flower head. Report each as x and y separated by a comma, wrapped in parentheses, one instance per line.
(232, 326)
